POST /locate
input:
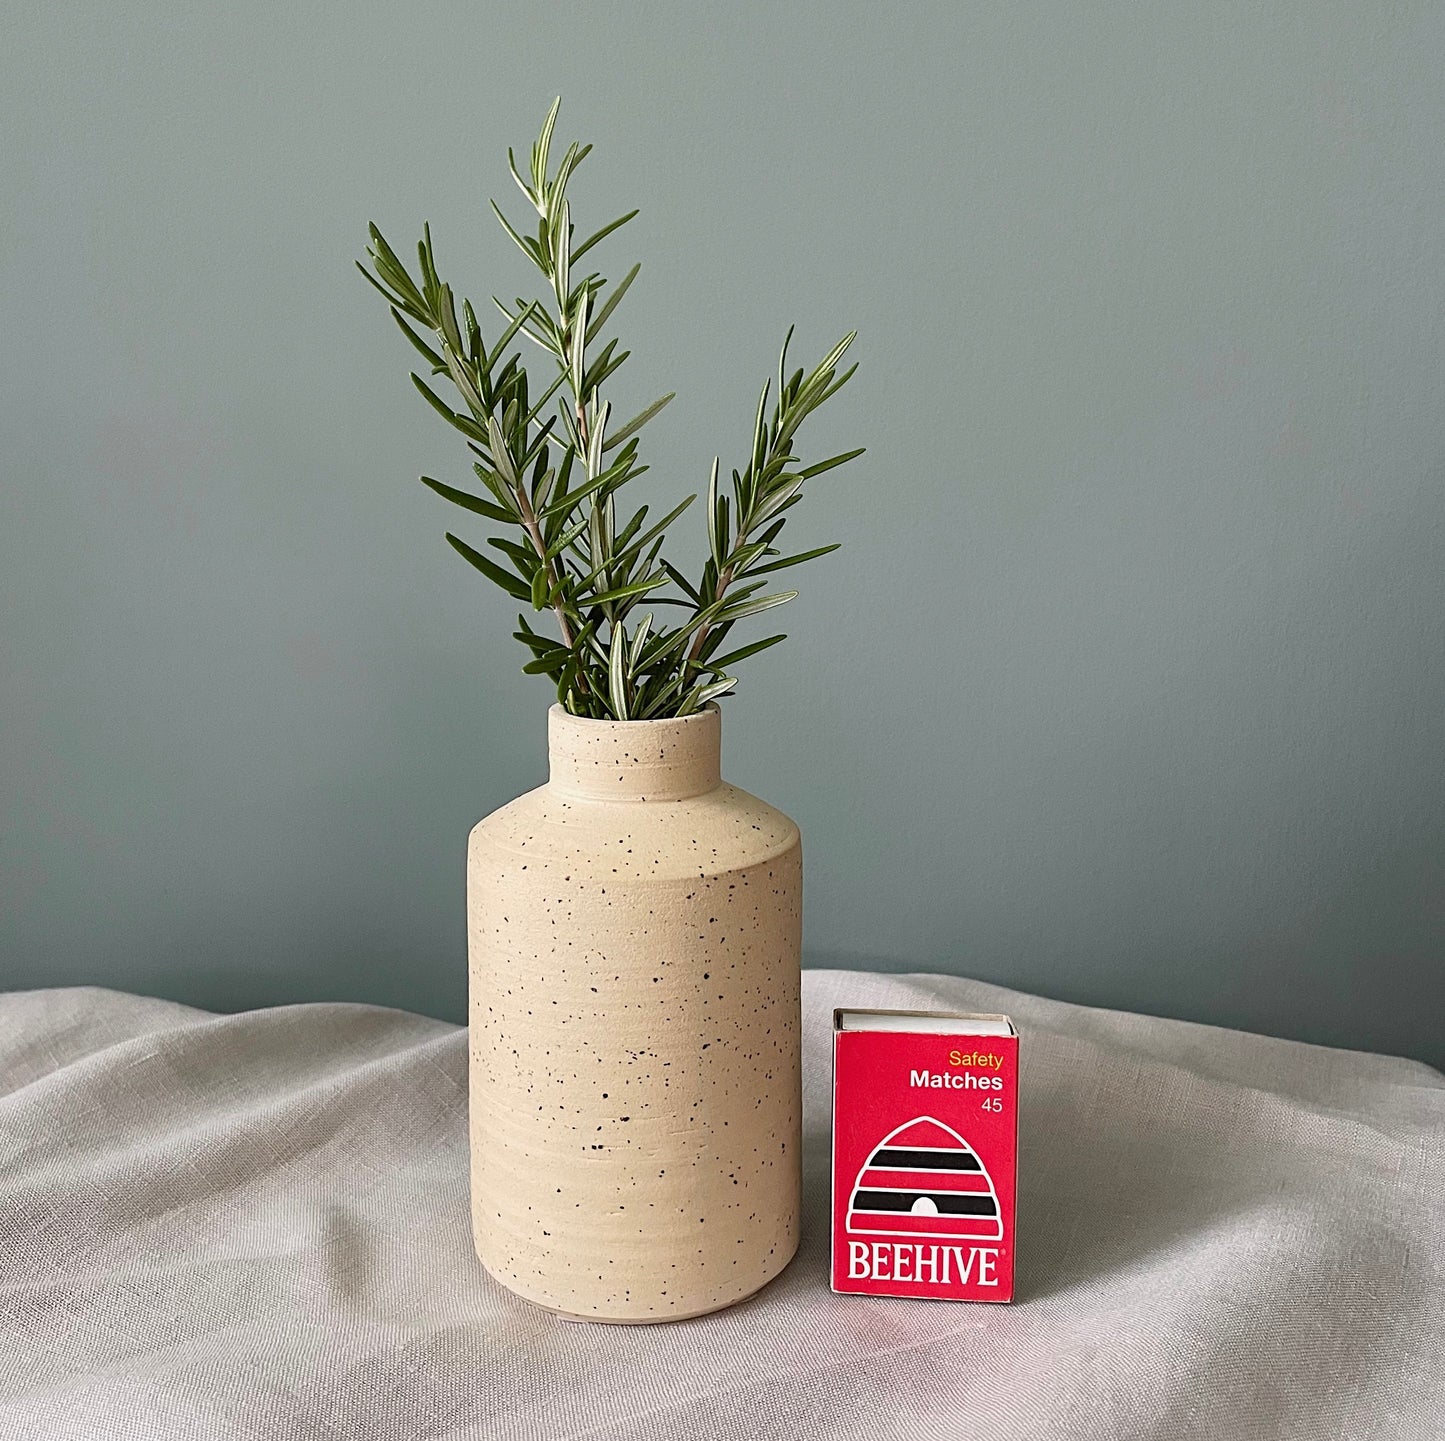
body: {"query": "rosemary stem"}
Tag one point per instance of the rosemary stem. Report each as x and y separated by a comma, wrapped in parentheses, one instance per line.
(571, 551)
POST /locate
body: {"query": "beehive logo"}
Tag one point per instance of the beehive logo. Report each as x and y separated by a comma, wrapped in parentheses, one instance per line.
(925, 1180)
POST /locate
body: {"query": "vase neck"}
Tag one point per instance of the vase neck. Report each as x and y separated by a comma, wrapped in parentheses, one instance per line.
(661, 760)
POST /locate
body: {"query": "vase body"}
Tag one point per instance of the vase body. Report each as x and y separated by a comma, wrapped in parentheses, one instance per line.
(634, 934)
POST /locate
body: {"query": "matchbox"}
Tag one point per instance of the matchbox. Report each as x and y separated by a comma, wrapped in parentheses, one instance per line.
(925, 1149)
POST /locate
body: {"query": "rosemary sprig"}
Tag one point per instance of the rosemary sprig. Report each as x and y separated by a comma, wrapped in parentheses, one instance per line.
(552, 468)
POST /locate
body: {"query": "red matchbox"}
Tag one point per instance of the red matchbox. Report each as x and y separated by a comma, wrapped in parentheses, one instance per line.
(925, 1152)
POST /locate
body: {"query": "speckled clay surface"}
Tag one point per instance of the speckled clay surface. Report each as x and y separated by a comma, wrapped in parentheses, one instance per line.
(635, 929)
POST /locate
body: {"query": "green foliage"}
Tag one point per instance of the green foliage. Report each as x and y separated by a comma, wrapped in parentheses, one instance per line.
(552, 467)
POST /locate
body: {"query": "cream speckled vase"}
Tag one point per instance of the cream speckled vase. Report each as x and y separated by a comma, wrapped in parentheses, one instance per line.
(635, 928)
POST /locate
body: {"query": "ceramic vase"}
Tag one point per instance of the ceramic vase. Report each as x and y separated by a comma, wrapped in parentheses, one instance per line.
(634, 930)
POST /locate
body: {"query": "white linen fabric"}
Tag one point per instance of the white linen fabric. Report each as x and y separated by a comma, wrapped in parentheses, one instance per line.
(256, 1225)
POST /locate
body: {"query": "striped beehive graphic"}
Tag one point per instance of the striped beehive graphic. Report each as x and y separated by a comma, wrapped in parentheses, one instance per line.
(923, 1179)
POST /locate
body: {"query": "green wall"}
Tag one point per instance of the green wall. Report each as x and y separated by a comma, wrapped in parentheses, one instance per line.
(1127, 686)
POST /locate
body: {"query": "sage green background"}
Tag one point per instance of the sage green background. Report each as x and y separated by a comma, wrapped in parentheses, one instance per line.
(1127, 686)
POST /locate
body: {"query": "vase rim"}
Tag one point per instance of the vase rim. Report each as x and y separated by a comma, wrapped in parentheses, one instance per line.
(709, 708)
